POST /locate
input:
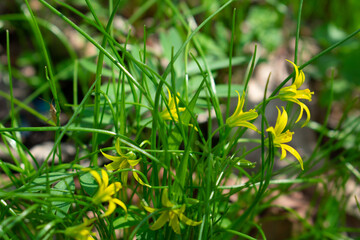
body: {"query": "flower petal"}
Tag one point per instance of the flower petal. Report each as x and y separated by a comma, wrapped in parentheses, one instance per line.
(175, 224)
(303, 107)
(247, 116)
(137, 178)
(272, 131)
(182, 208)
(105, 178)
(304, 94)
(284, 137)
(113, 166)
(112, 158)
(295, 153)
(283, 151)
(149, 209)
(281, 121)
(164, 217)
(308, 116)
(110, 210)
(240, 104)
(88, 222)
(247, 125)
(174, 111)
(195, 128)
(117, 147)
(299, 78)
(97, 177)
(165, 199)
(113, 188)
(171, 102)
(120, 203)
(165, 115)
(134, 162)
(188, 221)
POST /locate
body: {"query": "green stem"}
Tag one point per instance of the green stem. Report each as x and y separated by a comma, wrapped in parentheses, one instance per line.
(230, 63)
(298, 32)
(48, 129)
(13, 123)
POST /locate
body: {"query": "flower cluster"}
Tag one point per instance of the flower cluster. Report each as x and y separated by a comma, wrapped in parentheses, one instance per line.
(173, 213)
(291, 94)
(105, 191)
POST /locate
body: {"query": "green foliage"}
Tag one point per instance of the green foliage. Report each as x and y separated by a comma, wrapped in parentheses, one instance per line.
(264, 26)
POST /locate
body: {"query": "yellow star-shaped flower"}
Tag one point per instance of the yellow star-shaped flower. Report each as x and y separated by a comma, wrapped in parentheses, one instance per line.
(292, 94)
(123, 161)
(171, 214)
(280, 137)
(106, 191)
(240, 118)
(166, 114)
(172, 103)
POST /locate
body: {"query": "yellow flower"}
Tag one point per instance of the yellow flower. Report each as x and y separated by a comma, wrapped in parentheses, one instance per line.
(172, 215)
(123, 161)
(292, 94)
(82, 231)
(279, 138)
(240, 118)
(165, 114)
(105, 192)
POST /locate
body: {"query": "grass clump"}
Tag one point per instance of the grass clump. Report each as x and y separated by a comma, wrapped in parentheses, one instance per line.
(145, 166)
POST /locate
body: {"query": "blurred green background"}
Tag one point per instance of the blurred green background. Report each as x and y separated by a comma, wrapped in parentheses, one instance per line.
(271, 24)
